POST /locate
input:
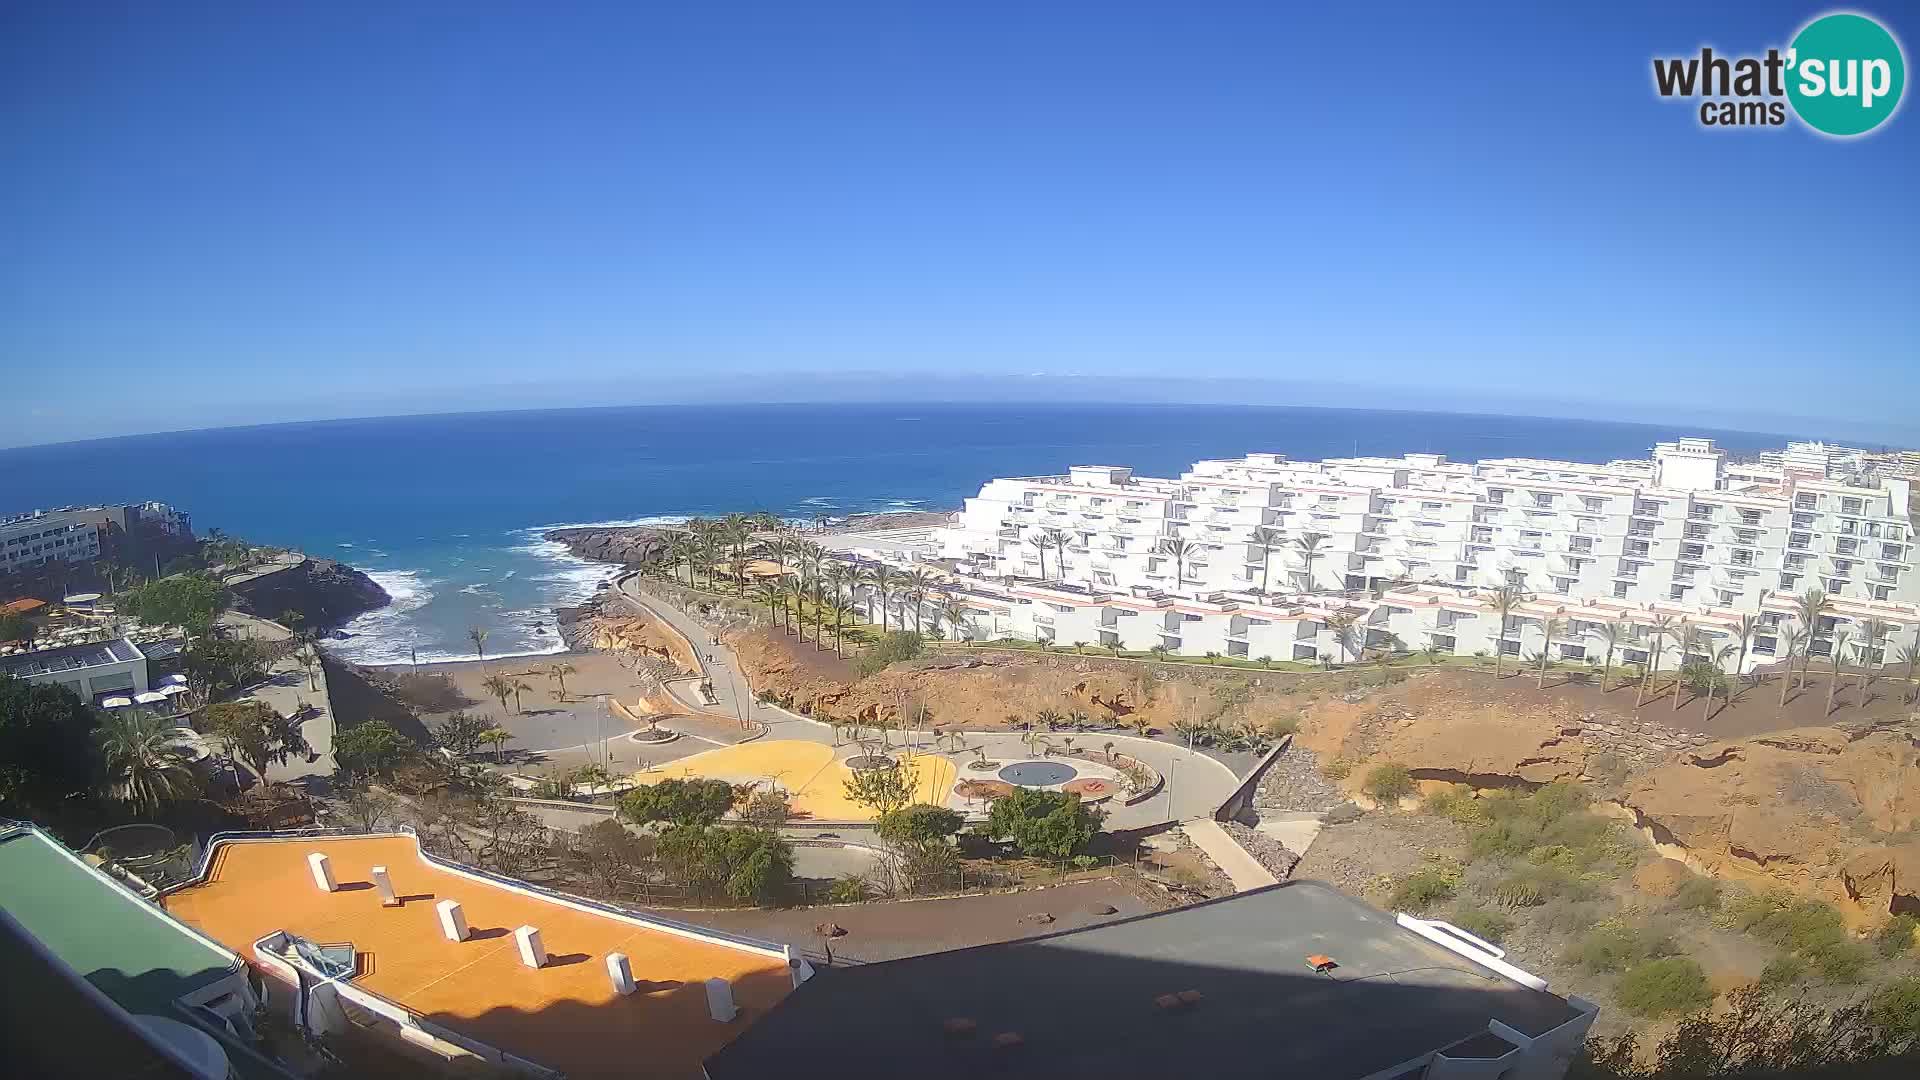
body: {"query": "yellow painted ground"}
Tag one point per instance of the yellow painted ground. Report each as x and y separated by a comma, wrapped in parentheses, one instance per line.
(807, 770)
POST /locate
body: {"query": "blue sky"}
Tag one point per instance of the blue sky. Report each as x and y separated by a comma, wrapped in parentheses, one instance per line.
(238, 213)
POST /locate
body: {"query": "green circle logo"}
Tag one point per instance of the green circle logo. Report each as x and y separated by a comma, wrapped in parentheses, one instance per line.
(1845, 74)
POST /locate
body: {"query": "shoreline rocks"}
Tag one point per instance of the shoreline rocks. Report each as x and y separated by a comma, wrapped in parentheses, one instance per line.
(630, 546)
(326, 592)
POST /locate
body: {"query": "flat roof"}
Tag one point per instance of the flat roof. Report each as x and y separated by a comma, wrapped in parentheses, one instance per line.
(69, 658)
(123, 945)
(565, 1016)
(1083, 1002)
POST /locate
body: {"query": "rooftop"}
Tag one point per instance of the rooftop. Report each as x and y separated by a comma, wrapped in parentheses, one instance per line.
(121, 944)
(69, 658)
(565, 1015)
(1083, 1002)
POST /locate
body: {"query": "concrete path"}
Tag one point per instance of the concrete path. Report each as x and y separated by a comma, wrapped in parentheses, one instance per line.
(1294, 828)
(1196, 783)
(1241, 868)
(287, 688)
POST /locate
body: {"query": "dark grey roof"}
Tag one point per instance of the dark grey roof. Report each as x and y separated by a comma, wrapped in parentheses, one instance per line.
(165, 649)
(1083, 1002)
(69, 658)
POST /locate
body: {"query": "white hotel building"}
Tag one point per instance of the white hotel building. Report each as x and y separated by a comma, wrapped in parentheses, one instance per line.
(1411, 544)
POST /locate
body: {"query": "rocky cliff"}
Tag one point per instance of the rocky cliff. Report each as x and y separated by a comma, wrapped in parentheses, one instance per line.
(326, 592)
(630, 546)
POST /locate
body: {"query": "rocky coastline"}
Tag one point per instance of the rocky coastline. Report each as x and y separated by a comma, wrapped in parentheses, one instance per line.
(325, 592)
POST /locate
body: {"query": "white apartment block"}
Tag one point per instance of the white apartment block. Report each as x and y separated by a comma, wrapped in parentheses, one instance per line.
(1409, 546)
(73, 533)
(37, 539)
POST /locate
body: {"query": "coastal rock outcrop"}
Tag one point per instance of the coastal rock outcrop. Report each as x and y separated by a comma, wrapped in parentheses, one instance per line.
(630, 546)
(325, 592)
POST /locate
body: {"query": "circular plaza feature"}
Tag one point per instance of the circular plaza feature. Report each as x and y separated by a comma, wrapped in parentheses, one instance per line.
(1038, 773)
(1090, 788)
(864, 762)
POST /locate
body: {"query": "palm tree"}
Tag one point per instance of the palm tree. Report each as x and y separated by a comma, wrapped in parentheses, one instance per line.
(1503, 601)
(1792, 640)
(1040, 541)
(1713, 678)
(913, 588)
(859, 588)
(840, 609)
(1683, 636)
(1749, 625)
(145, 767)
(558, 673)
(1872, 651)
(1833, 682)
(1549, 628)
(1308, 545)
(1058, 540)
(1177, 548)
(500, 686)
(498, 738)
(774, 595)
(1266, 538)
(883, 579)
(1341, 623)
(1909, 655)
(956, 612)
(518, 689)
(1658, 631)
(1613, 632)
(1807, 609)
(478, 636)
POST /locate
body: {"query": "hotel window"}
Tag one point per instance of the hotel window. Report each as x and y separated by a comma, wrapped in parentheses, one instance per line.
(1702, 512)
(1619, 590)
(1542, 499)
(1846, 545)
(1563, 585)
(1835, 585)
(1638, 547)
(1842, 566)
(1433, 506)
(1496, 495)
(1460, 572)
(1850, 506)
(1890, 551)
(1742, 557)
(1594, 503)
(1677, 592)
(1726, 597)
(1806, 502)
(1580, 543)
(1788, 581)
(1750, 517)
(1696, 532)
(1847, 528)
(1883, 592)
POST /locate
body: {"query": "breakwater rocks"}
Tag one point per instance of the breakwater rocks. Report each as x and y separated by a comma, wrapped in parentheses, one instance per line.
(325, 592)
(630, 546)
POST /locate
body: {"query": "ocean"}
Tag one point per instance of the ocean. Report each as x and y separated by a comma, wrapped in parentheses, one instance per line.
(447, 512)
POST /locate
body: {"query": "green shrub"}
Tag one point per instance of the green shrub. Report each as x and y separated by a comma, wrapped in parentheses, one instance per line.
(1532, 885)
(1811, 929)
(1663, 987)
(851, 889)
(1388, 783)
(1895, 1009)
(1698, 894)
(1337, 769)
(1896, 936)
(896, 646)
(1482, 923)
(1614, 945)
(1783, 971)
(1043, 824)
(1457, 803)
(1424, 888)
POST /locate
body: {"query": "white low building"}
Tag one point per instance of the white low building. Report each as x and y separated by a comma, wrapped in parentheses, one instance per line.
(1264, 556)
(93, 671)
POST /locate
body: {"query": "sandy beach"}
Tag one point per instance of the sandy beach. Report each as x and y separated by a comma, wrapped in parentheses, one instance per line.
(546, 721)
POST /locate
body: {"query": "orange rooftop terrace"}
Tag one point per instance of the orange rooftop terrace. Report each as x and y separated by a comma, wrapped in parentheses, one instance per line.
(565, 1014)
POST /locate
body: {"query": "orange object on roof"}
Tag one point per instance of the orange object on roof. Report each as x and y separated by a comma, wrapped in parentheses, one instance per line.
(23, 605)
(565, 1015)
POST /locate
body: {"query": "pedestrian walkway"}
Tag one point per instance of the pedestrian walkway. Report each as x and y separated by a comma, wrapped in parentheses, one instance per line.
(288, 688)
(1241, 868)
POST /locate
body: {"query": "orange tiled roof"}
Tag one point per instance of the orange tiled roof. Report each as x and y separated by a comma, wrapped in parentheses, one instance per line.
(565, 1015)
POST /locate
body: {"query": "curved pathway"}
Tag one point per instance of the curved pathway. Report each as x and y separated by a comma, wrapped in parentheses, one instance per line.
(1196, 783)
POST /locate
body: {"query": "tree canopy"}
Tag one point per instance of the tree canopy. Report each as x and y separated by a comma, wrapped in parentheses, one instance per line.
(47, 749)
(256, 734)
(882, 790)
(1043, 824)
(919, 825)
(681, 803)
(746, 864)
(371, 747)
(189, 600)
